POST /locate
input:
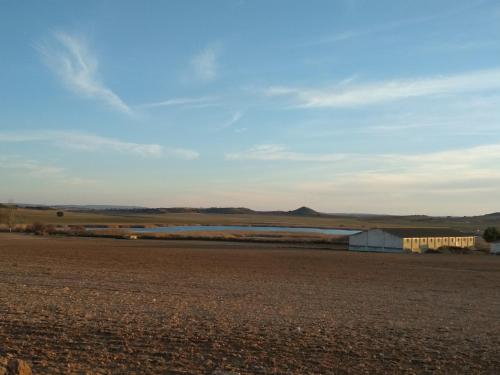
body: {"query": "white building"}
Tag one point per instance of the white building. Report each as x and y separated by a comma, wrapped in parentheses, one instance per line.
(495, 248)
(409, 239)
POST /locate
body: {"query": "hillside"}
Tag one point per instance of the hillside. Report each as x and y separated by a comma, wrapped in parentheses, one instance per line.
(304, 211)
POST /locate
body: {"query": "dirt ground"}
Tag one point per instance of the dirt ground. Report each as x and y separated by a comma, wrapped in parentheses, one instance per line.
(76, 305)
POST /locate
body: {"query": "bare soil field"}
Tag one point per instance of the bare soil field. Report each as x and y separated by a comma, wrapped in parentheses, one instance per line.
(87, 305)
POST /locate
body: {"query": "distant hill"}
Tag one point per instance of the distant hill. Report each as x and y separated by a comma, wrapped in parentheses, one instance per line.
(228, 210)
(210, 210)
(304, 211)
(165, 210)
(97, 207)
(493, 214)
(493, 217)
(130, 210)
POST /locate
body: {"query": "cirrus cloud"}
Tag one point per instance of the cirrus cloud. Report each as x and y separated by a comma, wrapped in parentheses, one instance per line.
(90, 142)
(75, 64)
(205, 65)
(357, 95)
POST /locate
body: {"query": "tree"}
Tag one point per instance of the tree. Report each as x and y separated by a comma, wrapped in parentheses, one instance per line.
(8, 215)
(491, 234)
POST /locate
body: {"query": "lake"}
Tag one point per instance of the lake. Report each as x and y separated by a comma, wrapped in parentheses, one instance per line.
(229, 228)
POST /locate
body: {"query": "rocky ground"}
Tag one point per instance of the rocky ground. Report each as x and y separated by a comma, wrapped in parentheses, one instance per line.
(98, 306)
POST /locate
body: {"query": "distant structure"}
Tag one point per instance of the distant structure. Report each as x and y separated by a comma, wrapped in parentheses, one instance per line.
(417, 240)
(495, 248)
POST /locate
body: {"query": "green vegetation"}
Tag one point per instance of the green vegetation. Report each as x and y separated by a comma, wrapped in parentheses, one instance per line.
(491, 234)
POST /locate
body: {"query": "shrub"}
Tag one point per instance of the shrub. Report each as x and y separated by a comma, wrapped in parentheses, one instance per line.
(454, 250)
(77, 230)
(60, 214)
(491, 234)
(50, 229)
(36, 228)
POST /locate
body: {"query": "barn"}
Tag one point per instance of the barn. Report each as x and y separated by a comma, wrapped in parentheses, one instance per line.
(409, 239)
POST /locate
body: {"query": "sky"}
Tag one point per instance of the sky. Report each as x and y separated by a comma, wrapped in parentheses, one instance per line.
(340, 105)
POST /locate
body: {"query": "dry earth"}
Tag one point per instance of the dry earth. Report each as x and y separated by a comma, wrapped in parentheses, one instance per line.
(76, 305)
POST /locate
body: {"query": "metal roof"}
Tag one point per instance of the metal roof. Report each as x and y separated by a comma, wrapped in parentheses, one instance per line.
(424, 232)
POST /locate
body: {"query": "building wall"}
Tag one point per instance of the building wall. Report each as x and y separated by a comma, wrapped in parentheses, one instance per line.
(393, 242)
(434, 243)
(375, 240)
(495, 248)
(438, 242)
(415, 244)
(359, 239)
(471, 242)
(378, 240)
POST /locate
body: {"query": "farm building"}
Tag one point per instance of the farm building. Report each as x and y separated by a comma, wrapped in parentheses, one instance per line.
(408, 239)
(495, 248)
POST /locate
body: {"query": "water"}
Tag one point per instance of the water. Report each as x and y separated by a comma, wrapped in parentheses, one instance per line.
(229, 228)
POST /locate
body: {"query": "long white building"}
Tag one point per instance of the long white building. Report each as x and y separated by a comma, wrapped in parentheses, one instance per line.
(409, 239)
(495, 248)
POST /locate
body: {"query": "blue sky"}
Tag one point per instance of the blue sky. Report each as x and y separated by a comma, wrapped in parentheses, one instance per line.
(343, 106)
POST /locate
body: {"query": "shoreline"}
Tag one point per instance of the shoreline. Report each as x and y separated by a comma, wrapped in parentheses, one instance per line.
(266, 225)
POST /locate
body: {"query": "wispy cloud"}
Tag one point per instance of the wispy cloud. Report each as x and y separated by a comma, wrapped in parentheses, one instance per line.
(205, 63)
(183, 102)
(70, 58)
(33, 167)
(458, 157)
(350, 95)
(463, 46)
(37, 169)
(379, 185)
(232, 120)
(281, 153)
(90, 143)
(346, 35)
(355, 33)
(448, 158)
